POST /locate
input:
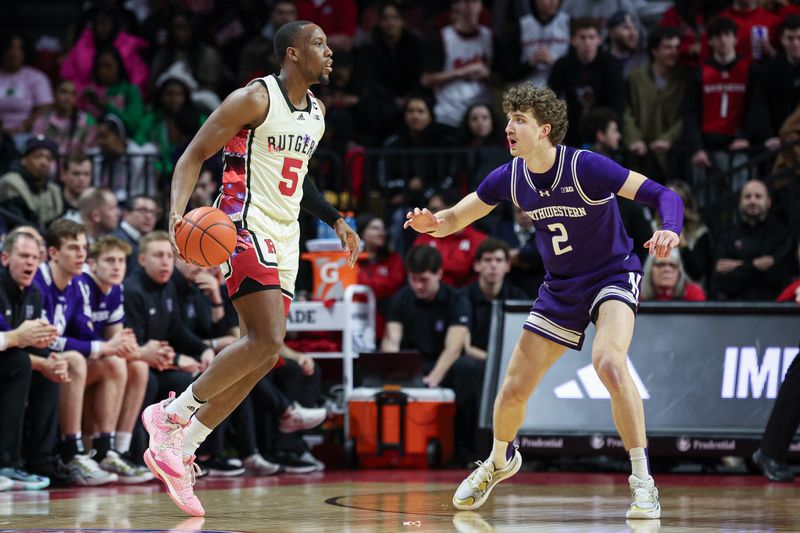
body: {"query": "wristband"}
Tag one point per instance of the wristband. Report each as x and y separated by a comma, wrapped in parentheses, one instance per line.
(96, 350)
(3, 342)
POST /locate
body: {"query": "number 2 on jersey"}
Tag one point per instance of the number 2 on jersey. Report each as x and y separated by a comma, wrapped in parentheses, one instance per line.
(562, 237)
(290, 175)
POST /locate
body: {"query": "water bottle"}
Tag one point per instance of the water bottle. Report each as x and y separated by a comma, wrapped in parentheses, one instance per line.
(324, 231)
(350, 220)
(758, 34)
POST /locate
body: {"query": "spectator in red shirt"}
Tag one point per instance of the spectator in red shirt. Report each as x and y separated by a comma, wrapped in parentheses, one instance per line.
(458, 250)
(714, 108)
(758, 29)
(382, 270)
(665, 280)
(338, 18)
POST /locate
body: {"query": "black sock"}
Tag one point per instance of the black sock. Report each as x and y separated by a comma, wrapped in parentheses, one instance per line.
(71, 445)
(101, 444)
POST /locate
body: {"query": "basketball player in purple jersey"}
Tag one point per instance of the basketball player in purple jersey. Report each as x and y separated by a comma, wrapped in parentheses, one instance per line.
(269, 129)
(592, 274)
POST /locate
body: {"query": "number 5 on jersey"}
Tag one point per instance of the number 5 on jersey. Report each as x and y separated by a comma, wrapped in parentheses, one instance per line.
(562, 237)
(290, 176)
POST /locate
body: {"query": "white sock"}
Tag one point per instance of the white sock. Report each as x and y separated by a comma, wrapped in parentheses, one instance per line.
(185, 405)
(500, 453)
(193, 436)
(639, 463)
(123, 441)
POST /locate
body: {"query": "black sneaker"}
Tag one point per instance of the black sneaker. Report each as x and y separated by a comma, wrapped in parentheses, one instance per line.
(293, 463)
(222, 467)
(135, 461)
(774, 470)
(58, 477)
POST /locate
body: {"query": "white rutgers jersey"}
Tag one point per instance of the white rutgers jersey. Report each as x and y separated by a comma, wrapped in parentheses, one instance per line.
(265, 166)
(454, 97)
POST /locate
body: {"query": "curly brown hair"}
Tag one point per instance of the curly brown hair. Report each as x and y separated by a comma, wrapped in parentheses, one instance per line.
(543, 104)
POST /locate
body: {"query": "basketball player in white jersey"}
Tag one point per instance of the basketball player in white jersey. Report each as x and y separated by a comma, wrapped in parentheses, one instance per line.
(269, 130)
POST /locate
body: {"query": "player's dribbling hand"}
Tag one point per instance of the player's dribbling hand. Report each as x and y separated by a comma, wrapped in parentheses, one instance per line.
(175, 220)
(350, 240)
(662, 242)
(422, 220)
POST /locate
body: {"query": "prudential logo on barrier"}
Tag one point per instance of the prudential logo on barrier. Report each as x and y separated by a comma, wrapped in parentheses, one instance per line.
(589, 381)
(745, 375)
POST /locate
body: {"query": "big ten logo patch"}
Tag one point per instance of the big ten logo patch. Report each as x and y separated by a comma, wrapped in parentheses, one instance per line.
(270, 246)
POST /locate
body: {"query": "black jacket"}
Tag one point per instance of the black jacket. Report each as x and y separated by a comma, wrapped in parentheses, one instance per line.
(18, 305)
(482, 310)
(775, 88)
(397, 69)
(196, 309)
(745, 242)
(599, 83)
(152, 311)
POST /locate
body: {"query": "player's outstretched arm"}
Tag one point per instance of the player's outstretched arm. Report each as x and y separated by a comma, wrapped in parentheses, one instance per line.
(670, 208)
(450, 220)
(244, 108)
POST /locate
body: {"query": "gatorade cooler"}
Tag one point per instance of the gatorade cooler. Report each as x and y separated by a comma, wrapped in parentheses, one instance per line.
(409, 427)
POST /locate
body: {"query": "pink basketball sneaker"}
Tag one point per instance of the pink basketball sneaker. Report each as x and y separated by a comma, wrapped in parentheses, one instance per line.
(180, 488)
(166, 440)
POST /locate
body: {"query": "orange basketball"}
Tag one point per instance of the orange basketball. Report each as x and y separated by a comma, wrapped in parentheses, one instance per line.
(206, 236)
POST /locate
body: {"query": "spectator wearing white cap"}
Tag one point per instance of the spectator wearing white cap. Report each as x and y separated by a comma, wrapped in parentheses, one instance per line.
(174, 119)
(121, 164)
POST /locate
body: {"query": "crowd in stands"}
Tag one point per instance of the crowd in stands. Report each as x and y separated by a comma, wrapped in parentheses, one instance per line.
(100, 319)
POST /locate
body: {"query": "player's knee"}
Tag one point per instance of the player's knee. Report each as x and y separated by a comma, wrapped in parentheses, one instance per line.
(266, 345)
(116, 369)
(610, 369)
(138, 372)
(513, 391)
(76, 363)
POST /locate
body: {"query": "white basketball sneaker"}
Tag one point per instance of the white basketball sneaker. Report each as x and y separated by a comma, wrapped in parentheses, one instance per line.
(645, 499)
(474, 490)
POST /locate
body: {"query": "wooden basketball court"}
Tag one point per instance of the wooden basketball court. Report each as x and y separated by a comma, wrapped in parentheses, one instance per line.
(379, 501)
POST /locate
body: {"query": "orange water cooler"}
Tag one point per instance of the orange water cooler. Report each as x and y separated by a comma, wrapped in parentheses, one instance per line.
(394, 427)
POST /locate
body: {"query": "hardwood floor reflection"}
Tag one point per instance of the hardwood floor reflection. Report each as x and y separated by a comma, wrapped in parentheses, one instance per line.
(383, 501)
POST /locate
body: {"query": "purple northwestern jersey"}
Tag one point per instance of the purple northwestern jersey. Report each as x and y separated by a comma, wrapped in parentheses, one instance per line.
(106, 308)
(572, 205)
(68, 311)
